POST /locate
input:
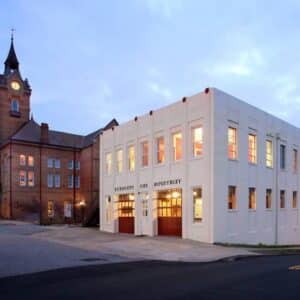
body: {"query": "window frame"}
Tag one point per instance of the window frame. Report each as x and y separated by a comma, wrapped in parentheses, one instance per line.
(269, 199)
(30, 181)
(252, 151)
(22, 178)
(282, 199)
(145, 156)
(294, 199)
(176, 150)
(252, 192)
(282, 157)
(160, 150)
(234, 143)
(131, 158)
(30, 164)
(234, 195)
(22, 160)
(194, 142)
(269, 156)
(108, 163)
(119, 159)
(15, 109)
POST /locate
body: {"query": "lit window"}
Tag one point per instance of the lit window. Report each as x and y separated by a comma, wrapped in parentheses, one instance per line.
(30, 178)
(282, 198)
(22, 178)
(197, 136)
(22, 159)
(67, 209)
(177, 146)
(252, 148)
(268, 198)
(57, 163)
(295, 200)
(232, 203)
(57, 181)
(70, 164)
(232, 143)
(50, 209)
(295, 160)
(30, 161)
(15, 107)
(119, 161)
(50, 162)
(108, 209)
(145, 154)
(77, 182)
(252, 198)
(269, 154)
(70, 181)
(50, 180)
(282, 157)
(160, 150)
(108, 161)
(131, 158)
(197, 205)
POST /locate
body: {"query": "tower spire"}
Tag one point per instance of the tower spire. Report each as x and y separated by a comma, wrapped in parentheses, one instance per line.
(11, 63)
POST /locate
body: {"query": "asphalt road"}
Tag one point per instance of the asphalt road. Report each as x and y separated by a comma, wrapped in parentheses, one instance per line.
(248, 278)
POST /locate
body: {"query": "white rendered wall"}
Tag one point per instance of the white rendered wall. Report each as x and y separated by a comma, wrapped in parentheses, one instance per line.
(193, 172)
(243, 225)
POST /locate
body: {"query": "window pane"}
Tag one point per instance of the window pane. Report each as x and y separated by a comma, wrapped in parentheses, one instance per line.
(57, 181)
(120, 161)
(295, 200)
(197, 205)
(197, 136)
(282, 156)
(252, 148)
(22, 178)
(50, 162)
(67, 209)
(177, 146)
(145, 154)
(70, 181)
(232, 202)
(22, 159)
(131, 158)
(50, 180)
(57, 163)
(30, 161)
(252, 198)
(70, 164)
(295, 160)
(269, 154)
(282, 199)
(160, 148)
(50, 209)
(30, 178)
(232, 143)
(268, 198)
(15, 105)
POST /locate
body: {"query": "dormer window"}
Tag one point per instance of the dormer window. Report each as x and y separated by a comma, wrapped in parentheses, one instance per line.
(15, 107)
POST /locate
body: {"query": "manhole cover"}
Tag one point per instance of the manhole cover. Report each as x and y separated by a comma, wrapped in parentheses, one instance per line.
(93, 259)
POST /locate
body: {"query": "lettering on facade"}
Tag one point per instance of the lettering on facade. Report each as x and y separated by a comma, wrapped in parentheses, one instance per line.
(143, 186)
(167, 182)
(124, 188)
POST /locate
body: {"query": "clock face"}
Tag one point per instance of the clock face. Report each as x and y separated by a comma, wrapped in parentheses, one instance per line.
(15, 85)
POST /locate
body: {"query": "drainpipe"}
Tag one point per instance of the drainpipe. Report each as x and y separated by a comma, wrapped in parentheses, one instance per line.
(276, 188)
(41, 202)
(74, 188)
(10, 181)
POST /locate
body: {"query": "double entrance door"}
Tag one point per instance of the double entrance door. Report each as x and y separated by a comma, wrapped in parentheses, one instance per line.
(169, 212)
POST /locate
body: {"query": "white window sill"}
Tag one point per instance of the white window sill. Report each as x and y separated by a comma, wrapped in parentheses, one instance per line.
(233, 159)
(235, 210)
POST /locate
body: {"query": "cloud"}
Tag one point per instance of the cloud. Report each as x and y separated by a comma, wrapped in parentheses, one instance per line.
(159, 90)
(245, 63)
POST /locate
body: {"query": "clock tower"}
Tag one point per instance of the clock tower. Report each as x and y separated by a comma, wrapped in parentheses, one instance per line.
(14, 97)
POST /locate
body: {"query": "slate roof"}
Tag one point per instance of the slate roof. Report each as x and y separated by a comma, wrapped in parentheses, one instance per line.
(31, 132)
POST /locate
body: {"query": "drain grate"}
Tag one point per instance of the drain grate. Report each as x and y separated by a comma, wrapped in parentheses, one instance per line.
(93, 259)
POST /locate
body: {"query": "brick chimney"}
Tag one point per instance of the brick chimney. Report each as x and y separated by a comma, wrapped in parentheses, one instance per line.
(44, 133)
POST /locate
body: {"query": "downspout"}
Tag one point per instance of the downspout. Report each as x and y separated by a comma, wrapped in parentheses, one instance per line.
(41, 202)
(276, 189)
(74, 188)
(10, 181)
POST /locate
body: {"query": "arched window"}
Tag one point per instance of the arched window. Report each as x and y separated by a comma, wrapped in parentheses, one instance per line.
(15, 105)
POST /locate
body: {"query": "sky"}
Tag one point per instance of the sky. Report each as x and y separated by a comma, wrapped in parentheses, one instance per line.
(91, 61)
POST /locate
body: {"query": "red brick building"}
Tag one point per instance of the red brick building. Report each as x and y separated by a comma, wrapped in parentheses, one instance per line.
(45, 175)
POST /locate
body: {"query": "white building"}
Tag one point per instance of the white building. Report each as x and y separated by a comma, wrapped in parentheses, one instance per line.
(209, 168)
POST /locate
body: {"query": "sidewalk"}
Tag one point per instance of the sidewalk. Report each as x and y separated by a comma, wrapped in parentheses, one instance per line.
(28, 248)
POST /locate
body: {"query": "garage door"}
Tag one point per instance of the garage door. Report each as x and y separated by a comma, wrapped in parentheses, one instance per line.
(169, 209)
(126, 213)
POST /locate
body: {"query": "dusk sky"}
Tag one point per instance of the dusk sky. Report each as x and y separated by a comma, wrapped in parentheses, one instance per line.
(91, 61)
